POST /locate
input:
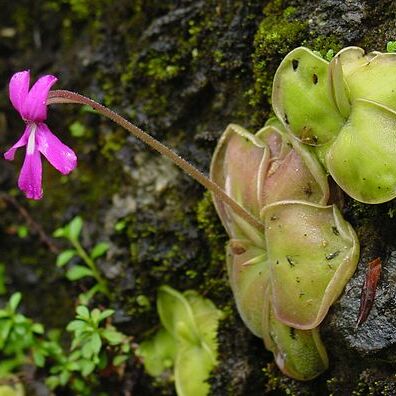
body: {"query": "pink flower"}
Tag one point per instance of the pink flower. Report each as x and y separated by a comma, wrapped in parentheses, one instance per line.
(38, 139)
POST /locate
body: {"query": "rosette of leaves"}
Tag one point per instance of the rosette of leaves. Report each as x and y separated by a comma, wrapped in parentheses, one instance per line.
(285, 278)
(186, 343)
(345, 110)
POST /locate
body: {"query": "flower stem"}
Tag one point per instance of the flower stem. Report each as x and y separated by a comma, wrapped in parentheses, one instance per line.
(91, 264)
(62, 96)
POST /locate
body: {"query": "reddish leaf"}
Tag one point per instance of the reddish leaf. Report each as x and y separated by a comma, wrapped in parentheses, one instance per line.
(368, 291)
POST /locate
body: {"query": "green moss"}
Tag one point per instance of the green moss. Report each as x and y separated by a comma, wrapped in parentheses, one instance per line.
(209, 223)
(276, 382)
(372, 383)
(215, 278)
(277, 34)
(325, 45)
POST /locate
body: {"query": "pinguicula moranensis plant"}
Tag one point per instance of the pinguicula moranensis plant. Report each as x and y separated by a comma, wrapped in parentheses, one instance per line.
(291, 252)
(286, 278)
(346, 111)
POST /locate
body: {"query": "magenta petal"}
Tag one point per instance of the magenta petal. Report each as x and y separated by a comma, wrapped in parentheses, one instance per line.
(34, 108)
(9, 154)
(30, 177)
(60, 156)
(18, 89)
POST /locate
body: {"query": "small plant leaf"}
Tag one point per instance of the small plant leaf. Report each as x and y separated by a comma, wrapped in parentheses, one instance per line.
(38, 328)
(83, 312)
(99, 250)
(64, 257)
(74, 228)
(76, 325)
(96, 343)
(112, 336)
(15, 300)
(59, 233)
(78, 272)
(87, 367)
(105, 314)
(119, 359)
(38, 357)
(158, 353)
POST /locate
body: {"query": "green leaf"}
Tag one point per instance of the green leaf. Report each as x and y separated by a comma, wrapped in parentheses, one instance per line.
(38, 328)
(95, 314)
(87, 367)
(64, 377)
(391, 46)
(14, 301)
(38, 357)
(74, 228)
(76, 325)
(52, 382)
(83, 312)
(96, 343)
(301, 352)
(119, 359)
(158, 353)
(299, 300)
(362, 159)
(248, 274)
(173, 309)
(99, 250)
(78, 272)
(5, 329)
(64, 257)
(86, 351)
(59, 233)
(23, 232)
(302, 98)
(105, 314)
(192, 367)
(84, 298)
(112, 336)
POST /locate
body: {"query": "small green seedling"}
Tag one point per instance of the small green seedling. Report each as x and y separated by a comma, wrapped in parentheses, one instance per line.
(88, 267)
(95, 346)
(18, 334)
(186, 342)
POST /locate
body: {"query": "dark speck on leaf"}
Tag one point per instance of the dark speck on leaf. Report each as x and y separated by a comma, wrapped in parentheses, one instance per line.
(335, 231)
(273, 218)
(292, 333)
(286, 119)
(291, 261)
(333, 255)
(315, 78)
(308, 190)
(295, 64)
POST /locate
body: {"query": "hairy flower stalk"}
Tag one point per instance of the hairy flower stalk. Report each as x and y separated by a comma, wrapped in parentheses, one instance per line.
(63, 96)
